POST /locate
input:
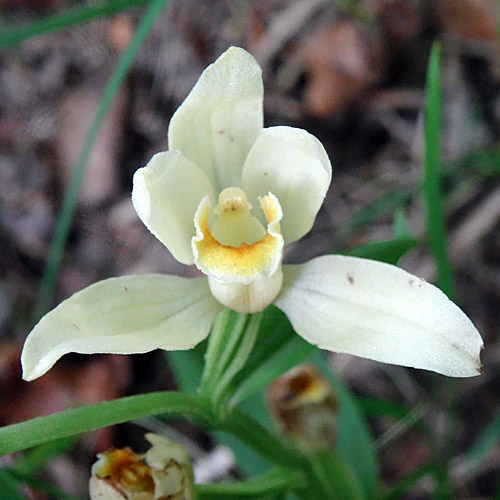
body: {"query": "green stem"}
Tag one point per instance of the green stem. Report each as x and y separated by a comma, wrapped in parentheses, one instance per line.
(274, 481)
(66, 20)
(222, 341)
(238, 360)
(262, 441)
(68, 207)
(41, 430)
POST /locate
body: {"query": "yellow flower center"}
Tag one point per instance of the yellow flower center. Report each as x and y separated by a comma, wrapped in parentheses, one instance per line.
(241, 259)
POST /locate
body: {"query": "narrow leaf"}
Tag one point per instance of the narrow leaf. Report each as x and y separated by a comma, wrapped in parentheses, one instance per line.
(436, 227)
(355, 442)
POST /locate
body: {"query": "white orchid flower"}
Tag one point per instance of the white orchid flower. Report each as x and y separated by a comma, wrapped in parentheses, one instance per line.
(228, 196)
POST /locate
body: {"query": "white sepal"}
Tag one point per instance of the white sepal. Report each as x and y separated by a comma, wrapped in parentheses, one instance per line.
(131, 314)
(380, 312)
(220, 119)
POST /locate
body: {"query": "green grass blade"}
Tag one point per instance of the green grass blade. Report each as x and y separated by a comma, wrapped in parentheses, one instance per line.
(66, 20)
(10, 486)
(354, 439)
(35, 459)
(33, 482)
(485, 442)
(389, 251)
(436, 228)
(260, 486)
(66, 423)
(46, 292)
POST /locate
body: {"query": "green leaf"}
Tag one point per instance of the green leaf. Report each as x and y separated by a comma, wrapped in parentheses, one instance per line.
(68, 207)
(376, 407)
(483, 163)
(401, 229)
(33, 482)
(270, 483)
(10, 486)
(35, 459)
(355, 442)
(371, 212)
(401, 489)
(389, 251)
(436, 226)
(187, 367)
(66, 423)
(66, 20)
(487, 440)
(336, 477)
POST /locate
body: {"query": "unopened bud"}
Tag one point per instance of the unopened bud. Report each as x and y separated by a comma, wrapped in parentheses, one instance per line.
(164, 471)
(305, 406)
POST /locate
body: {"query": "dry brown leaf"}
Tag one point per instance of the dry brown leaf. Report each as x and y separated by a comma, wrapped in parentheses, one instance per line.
(471, 20)
(342, 62)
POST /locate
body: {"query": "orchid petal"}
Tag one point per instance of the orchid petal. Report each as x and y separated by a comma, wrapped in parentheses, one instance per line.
(293, 165)
(131, 314)
(166, 194)
(220, 119)
(245, 263)
(380, 312)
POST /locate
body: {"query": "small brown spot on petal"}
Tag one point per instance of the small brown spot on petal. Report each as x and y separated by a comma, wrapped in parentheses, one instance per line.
(350, 279)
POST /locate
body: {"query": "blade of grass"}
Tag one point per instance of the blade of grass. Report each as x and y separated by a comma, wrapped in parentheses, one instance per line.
(66, 423)
(46, 292)
(436, 228)
(66, 20)
(35, 483)
(10, 486)
(354, 439)
(436, 235)
(259, 486)
(35, 459)
(389, 251)
(485, 443)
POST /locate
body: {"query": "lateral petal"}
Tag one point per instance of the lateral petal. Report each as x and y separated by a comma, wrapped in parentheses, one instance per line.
(166, 194)
(126, 315)
(378, 311)
(293, 165)
(220, 119)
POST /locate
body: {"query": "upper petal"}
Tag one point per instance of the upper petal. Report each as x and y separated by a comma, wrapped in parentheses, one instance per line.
(292, 164)
(378, 311)
(166, 193)
(220, 119)
(131, 314)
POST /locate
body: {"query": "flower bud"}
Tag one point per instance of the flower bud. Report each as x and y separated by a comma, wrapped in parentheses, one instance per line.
(164, 471)
(305, 406)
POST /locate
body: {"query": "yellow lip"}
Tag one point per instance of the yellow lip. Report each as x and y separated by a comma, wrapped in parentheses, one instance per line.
(245, 263)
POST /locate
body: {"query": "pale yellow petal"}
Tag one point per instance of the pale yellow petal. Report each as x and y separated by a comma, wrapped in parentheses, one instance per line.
(293, 165)
(131, 314)
(378, 311)
(166, 193)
